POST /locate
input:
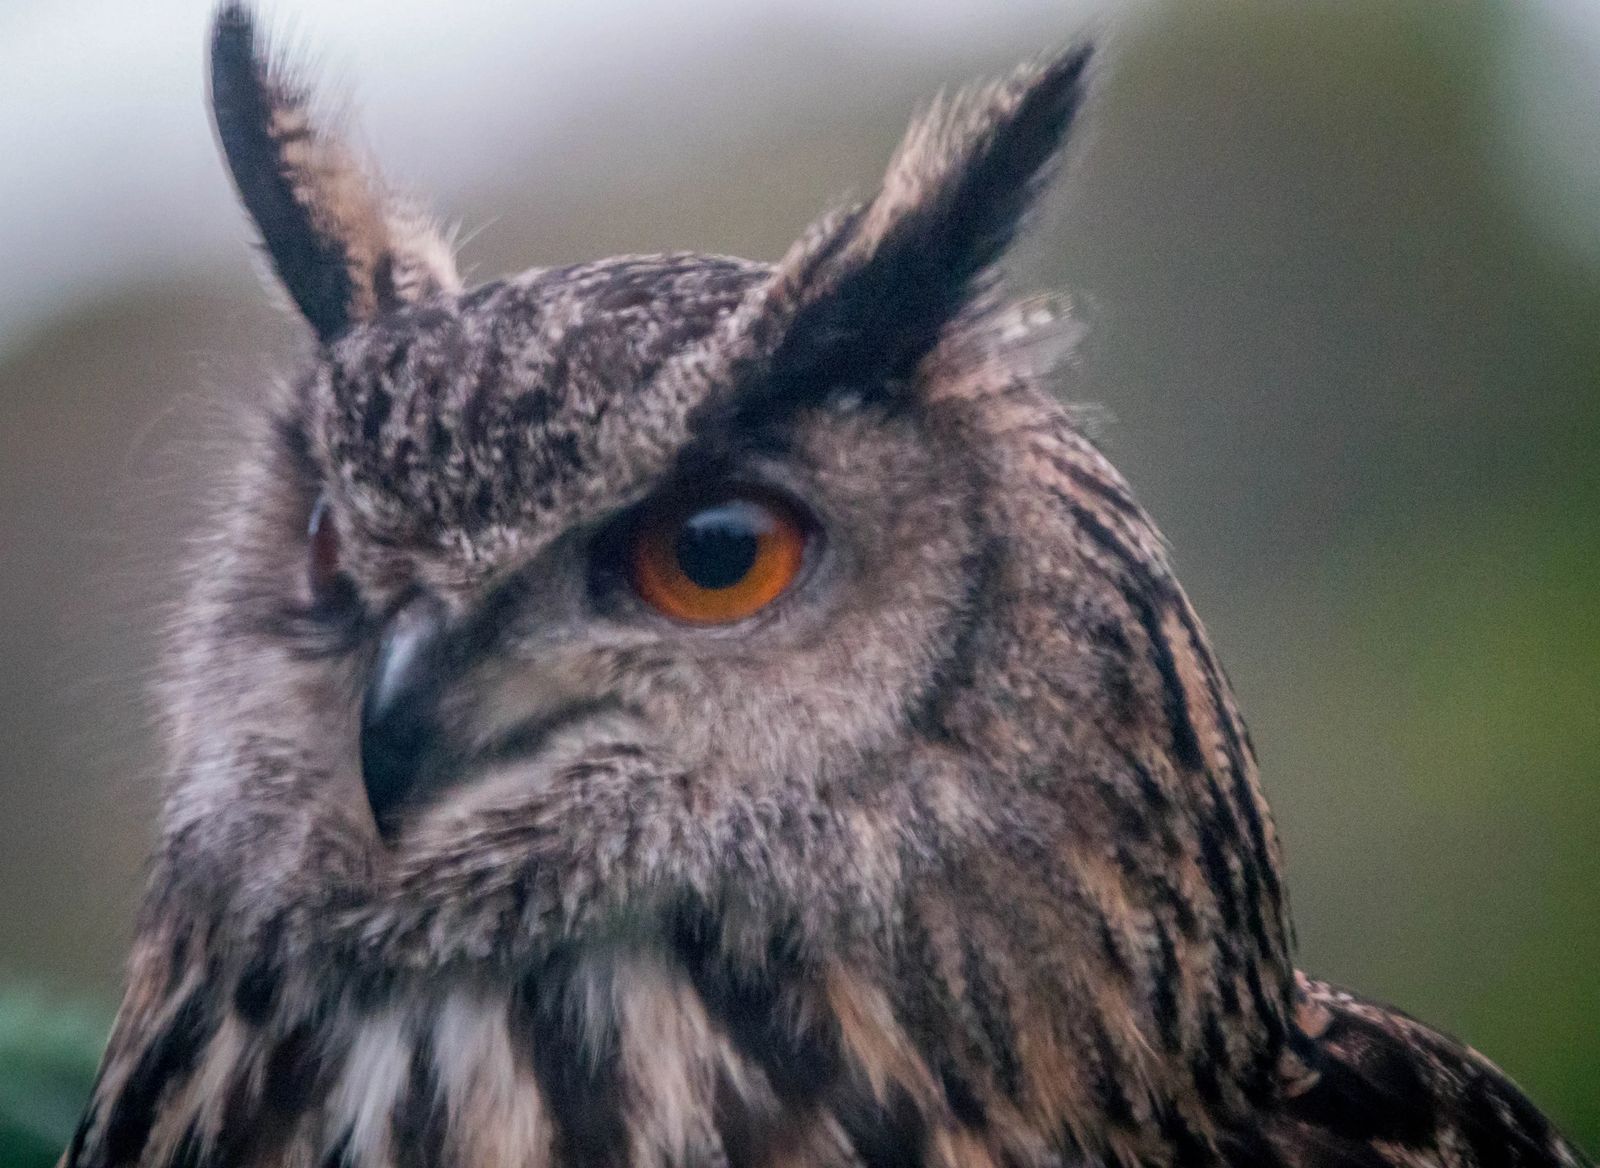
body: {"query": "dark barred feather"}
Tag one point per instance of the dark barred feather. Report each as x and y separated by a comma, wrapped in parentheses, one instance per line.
(700, 1065)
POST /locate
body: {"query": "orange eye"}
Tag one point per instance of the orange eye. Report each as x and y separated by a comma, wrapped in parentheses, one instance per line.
(712, 563)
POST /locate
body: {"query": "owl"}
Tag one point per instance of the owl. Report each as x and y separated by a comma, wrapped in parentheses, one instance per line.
(683, 711)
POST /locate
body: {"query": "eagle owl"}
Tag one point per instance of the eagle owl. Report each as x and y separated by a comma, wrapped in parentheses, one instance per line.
(676, 710)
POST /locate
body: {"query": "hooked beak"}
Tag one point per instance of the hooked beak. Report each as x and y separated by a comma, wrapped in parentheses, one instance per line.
(400, 710)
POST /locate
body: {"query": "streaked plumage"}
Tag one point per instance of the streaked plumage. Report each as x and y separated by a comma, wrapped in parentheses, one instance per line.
(955, 856)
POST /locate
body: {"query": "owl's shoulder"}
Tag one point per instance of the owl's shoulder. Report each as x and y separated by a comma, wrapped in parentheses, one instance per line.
(1367, 1086)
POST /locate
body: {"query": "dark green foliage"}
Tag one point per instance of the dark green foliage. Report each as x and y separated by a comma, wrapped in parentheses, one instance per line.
(48, 1055)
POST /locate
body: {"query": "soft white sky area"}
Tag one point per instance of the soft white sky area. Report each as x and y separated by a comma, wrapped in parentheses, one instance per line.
(107, 164)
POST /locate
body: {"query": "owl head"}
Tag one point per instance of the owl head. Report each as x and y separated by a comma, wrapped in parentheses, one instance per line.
(691, 601)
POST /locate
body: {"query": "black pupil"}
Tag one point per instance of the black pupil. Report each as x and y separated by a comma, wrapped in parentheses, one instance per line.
(717, 547)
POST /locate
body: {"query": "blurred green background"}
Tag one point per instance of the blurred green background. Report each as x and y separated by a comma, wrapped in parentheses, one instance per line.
(1340, 268)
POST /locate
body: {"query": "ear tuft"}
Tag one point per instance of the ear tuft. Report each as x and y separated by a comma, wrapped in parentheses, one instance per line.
(968, 170)
(871, 299)
(344, 250)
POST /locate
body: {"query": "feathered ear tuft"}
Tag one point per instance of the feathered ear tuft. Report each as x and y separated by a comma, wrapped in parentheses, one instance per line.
(870, 292)
(343, 248)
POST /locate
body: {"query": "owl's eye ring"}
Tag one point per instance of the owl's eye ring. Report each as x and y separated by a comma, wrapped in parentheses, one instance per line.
(717, 559)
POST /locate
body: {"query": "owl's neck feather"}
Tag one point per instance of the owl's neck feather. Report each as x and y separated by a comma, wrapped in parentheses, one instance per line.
(647, 1052)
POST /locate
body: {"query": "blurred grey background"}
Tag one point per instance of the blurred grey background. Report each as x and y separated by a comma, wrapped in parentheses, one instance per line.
(1339, 261)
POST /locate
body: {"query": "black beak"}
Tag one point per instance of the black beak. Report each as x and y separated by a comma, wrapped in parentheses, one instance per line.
(399, 714)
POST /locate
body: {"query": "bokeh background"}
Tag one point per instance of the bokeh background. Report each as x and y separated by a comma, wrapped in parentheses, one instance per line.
(1339, 265)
